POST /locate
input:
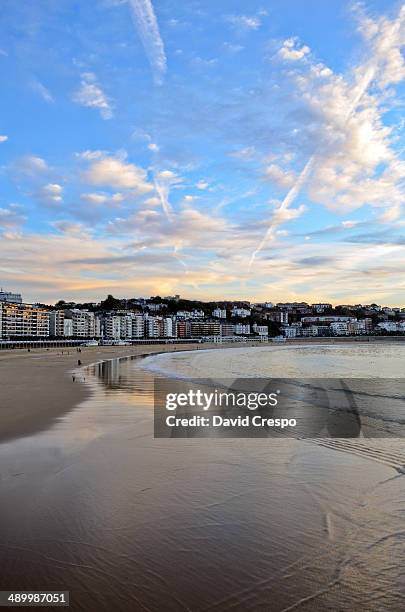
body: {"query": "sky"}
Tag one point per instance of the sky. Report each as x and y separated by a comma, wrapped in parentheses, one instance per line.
(216, 150)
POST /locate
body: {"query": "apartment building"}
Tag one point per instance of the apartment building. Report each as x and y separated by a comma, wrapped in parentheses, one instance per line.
(153, 327)
(205, 328)
(138, 326)
(227, 329)
(19, 320)
(219, 313)
(111, 327)
(262, 330)
(126, 326)
(85, 324)
(169, 327)
(340, 328)
(7, 296)
(57, 323)
(241, 312)
(277, 316)
(242, 329)
(327, 319)
(183, 329)
(319, 308)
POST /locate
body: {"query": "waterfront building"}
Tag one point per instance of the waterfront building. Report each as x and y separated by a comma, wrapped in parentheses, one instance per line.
(111, 327)
(183, 329)
(57, 323)
(23, 320)
(205, 328)
(85, 324)
(227, 329)
(242, 329)
(340, 328)
(138, 326)
(262, 330)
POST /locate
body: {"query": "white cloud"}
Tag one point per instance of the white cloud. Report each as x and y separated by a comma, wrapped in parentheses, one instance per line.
(42, 91)
(3, 138)
(11, 217)
(245, 22)
(339, 121)
(113, 172)
(146, 23)
(69, 228)
(91, 95)
(232, 47)
(153, 147)
(280, 177)
(202, 185)
(31, 165)
(291, 51)
(52, 193)
(153, 201)
(102, 198)
(90, 155)
(245, 154)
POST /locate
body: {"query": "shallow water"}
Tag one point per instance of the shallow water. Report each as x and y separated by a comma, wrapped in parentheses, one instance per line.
(126, 522)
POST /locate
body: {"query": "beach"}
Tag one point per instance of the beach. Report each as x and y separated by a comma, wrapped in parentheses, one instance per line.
(39, 386)
(94, 504)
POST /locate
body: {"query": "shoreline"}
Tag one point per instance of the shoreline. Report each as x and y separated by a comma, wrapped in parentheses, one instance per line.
(40, 386)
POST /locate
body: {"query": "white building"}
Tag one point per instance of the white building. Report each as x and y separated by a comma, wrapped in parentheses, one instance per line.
(112, 327)
(389, 326)
(68, 328)
(262, 330)
(138, 326)
(339, 328)
(153, 327)
(242, 329)
(126, 326)
(241, 312)
(219, 313)
(290, 331)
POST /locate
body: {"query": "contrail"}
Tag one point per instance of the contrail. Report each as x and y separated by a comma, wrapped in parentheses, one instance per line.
(359, 92)
(145, 21)
(289, 198)
(163, 193)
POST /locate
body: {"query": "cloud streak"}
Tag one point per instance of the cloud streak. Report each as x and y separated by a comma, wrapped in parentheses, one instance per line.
(145, 21)
(91, 95)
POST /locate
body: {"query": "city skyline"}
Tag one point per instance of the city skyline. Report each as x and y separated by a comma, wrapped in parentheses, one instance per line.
(217, 151)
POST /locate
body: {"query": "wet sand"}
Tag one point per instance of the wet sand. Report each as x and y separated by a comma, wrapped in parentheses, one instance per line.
(96, 505)
(37, 387)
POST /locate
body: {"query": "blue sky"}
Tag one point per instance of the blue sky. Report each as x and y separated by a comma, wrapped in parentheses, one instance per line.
(212, 149)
